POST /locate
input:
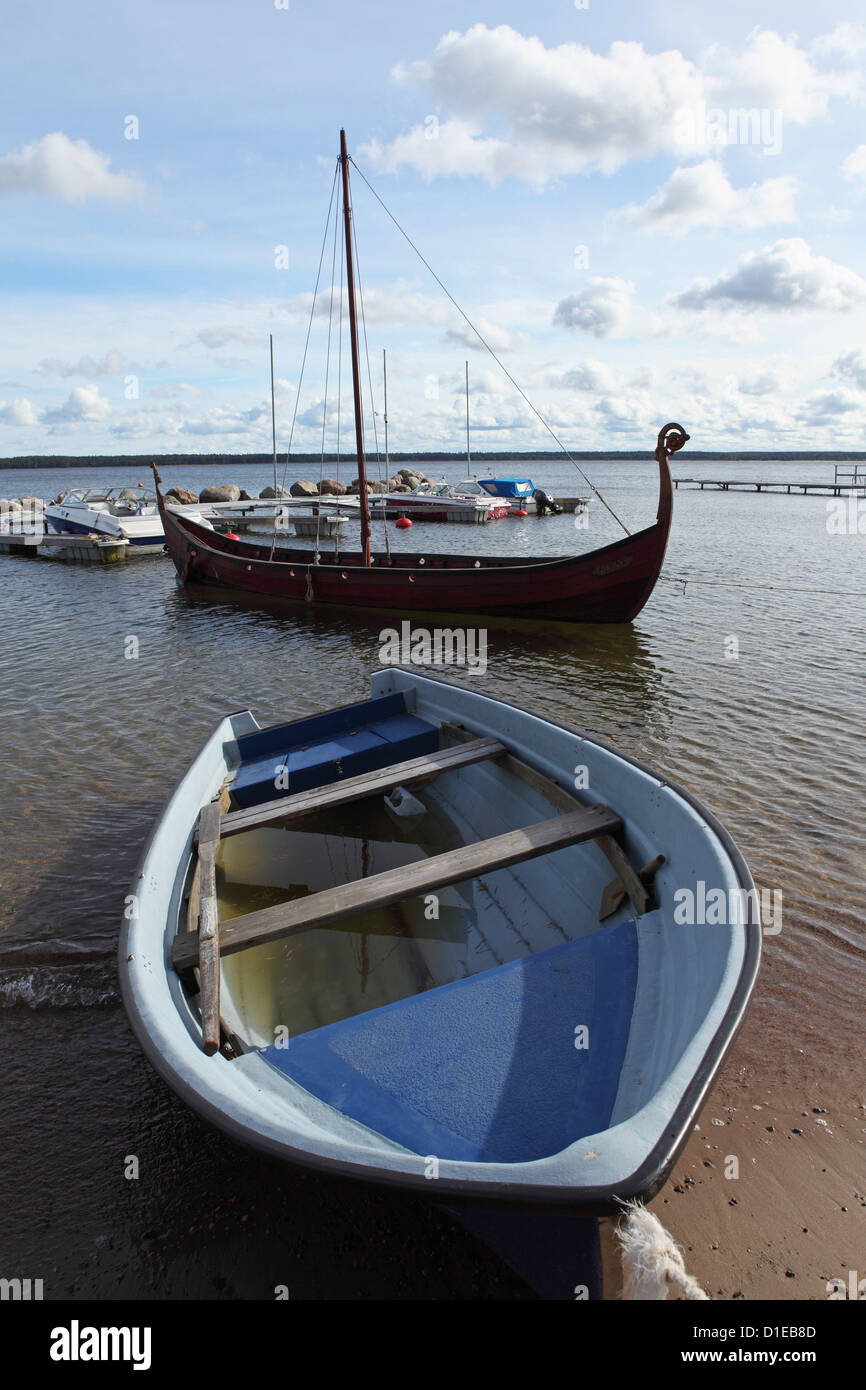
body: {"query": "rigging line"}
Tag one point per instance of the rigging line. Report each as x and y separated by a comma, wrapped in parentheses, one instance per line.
(496, 359)
(780, 588)
(310, 324)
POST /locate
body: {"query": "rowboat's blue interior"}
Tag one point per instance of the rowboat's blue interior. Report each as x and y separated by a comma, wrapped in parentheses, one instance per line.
(487, 1068)
(327, 747)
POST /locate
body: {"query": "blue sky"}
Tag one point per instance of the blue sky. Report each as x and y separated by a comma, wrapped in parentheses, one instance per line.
(652, 211)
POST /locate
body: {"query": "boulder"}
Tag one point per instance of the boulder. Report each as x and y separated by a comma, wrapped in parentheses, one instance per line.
(412, 477)
(373, 488)
(182, 495)
(302, 489)
(330, 487)
(32, 504)
(400, 487)
(245, 496)
(280, 491)
(220, 492)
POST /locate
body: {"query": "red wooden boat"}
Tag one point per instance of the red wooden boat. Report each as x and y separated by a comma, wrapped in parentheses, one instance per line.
(608, 585)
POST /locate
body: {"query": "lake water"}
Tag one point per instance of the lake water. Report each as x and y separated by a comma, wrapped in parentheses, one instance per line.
(744, 683)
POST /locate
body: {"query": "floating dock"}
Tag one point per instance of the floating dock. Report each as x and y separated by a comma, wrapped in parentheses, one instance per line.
(572, 504)
(89, 550)
(16, 543)
(326, 527)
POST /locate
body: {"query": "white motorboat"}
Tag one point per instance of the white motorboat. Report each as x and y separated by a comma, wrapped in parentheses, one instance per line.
(113, 513)
(440, 502)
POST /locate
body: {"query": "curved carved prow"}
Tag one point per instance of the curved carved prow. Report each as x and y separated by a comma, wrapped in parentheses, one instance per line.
(671, 438)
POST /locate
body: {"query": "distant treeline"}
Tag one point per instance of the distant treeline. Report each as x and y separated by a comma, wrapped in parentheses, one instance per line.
(139, 461)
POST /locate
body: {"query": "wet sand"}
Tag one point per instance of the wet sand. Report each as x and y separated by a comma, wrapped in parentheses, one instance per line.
(795, 1217)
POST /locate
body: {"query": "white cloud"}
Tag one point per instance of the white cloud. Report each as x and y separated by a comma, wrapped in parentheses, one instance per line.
(499, 339)
(761, 384)
(700, 195)
(217, 337)
(588, 375)
(58, 167)
(785, 275)
(602, 309)
(83, 405)
(626, 415)
(854, 167)
(226, 420)
(404, 306)
(110, 364)
(853, 366)
(564, 109)
(18, 412)
(514, 107)
(401, 304)
(847, 40)
(829, 405)
(771, 73)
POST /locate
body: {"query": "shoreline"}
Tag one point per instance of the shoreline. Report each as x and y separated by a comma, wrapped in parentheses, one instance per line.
(49, 461)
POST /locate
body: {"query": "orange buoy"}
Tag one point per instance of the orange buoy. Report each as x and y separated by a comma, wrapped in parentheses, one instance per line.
(230, 536)
(521, 511)
(403, 523)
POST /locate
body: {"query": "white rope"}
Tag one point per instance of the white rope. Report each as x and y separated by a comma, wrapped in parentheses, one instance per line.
(653, 1265)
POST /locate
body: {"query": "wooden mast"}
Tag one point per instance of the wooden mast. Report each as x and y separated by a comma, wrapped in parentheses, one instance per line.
(356, 371)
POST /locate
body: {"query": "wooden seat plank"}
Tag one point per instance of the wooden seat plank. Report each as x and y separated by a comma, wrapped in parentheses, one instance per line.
(557, 796)
(423, 876)
(207, 946)
(410, 773)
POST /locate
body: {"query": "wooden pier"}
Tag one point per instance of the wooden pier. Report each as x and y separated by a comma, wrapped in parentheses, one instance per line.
(824, 489)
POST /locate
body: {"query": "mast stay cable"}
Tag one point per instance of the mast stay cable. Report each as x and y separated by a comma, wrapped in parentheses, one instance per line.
(486, 345)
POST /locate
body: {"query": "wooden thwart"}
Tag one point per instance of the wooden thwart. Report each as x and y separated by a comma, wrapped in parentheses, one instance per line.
(409, 774)
(206, 948)
(364, 895)
(631, 883)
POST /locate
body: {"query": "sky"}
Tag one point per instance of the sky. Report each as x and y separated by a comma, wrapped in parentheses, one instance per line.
(651, 211)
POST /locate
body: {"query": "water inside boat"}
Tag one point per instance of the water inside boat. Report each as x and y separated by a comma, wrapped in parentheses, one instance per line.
(378, 957)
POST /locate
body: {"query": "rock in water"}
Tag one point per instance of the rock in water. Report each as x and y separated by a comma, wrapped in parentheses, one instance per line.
(330, 487)
(244, 496)
(303, 489)
(220, 492)
(412, 477)
(182, 495)
(372, 488)
(279, 491)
